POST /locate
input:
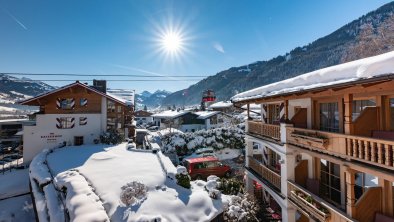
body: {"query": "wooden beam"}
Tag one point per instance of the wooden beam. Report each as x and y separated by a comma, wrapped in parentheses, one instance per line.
(350, 194)
(348, 113)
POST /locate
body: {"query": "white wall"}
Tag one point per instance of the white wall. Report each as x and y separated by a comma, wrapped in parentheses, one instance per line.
(45, 134)
(303, 103)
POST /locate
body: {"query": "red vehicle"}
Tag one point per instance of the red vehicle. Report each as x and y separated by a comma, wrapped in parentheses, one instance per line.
(202, 167)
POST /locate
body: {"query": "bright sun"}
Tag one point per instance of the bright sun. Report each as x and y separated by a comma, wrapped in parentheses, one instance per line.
(171, 42)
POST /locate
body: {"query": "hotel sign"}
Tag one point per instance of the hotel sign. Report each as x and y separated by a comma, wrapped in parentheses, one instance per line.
(51, 137)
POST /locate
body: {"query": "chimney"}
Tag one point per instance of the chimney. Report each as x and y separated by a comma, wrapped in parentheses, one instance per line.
(100, 85)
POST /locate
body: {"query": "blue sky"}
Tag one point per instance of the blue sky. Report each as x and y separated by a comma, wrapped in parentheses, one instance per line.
(124, 37)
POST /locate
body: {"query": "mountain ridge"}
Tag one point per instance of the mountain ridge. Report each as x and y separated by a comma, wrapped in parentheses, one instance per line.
(369, 35)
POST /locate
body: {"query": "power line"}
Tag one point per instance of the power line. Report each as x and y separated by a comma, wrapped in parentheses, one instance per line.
(93, 75)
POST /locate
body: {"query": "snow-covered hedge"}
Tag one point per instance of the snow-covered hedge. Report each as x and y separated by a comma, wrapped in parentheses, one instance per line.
(219, 138)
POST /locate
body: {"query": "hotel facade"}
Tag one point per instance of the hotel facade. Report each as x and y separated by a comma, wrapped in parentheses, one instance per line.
(75, 114)
(323, 149)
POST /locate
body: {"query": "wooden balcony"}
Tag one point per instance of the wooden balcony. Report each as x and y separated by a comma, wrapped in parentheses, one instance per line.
(373, 151)
(313, 205)
(263, 129)
(266, 173)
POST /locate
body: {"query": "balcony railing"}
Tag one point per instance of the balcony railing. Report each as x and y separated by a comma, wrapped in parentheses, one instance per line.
(266, 173)
(263, 129)
(369, 150)
(314, 206)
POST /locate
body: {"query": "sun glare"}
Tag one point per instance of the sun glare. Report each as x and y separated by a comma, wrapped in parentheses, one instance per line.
(171, 42)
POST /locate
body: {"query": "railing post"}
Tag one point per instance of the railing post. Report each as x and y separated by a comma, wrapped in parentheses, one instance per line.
(348, 102)
(283, 136)
(350, 194)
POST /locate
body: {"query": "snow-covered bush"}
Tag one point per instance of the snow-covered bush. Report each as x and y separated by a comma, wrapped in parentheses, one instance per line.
(230, 186)
(111, 137)
(133, 193)
(219, 138)
(242, 207)
(211, 187)
(182, 177)
(214, 194)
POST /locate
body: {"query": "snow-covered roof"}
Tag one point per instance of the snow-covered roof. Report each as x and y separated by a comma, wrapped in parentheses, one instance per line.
(252, 106)
(77, 83)
(13, 120)
(221, 104)
(170, 114)
(122, 99)
(164, 200)
(344, 73)
(205, 114)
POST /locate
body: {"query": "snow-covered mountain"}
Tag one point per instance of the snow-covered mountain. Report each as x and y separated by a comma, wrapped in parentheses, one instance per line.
(13, 89)
(371, 34)
(151, 100)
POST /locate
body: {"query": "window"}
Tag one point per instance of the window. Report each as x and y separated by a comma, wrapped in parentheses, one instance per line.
(199, 166)
(330, 181)
(273, 113)
(362, 182)
(67, 103)
(211, 164)
(78, 140)
(110, 106)
(359, 106)
(143, 118)
(274, 161)
(214, 120)
(329, 117)
(65, 122)
(83, 102)
(111, 123)
(119, 109)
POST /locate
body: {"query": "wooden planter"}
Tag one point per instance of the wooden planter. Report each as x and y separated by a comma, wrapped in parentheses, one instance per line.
(309, 140)
(310, 208)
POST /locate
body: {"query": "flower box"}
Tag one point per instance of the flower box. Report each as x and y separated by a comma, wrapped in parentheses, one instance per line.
(309, 139)
(311, 206)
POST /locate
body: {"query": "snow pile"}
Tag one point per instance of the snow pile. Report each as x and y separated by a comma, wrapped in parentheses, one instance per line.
(343, 73)
(221, 104)
(170, 114)
(133, 193)
(81, 202)
(88, 180)
(39, 170)
(54, 205)
(206, 114)
(219, 138)
(181, 170)
(211, 187)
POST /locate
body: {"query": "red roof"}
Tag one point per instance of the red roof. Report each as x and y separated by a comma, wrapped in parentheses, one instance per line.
(202, 159)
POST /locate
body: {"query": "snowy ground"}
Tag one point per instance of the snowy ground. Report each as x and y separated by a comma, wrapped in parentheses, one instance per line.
(94, 174)
(14, 183)
(19, 208)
